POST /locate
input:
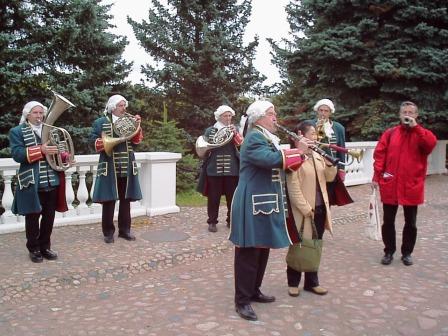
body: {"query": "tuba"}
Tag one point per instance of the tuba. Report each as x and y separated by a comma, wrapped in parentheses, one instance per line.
(57, 136)
(221, 138)
(126, 127)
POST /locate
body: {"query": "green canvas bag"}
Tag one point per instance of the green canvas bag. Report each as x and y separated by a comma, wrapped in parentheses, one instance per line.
(305, 255)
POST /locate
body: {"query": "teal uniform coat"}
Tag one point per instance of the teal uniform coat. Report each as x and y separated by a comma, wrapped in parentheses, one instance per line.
(339, 132)
(26, 198)
(259, 208)
(221, 161)
(106, 180)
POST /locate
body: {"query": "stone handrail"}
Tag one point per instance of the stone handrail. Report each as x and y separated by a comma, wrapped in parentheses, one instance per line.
(158, 183)
(157, 174)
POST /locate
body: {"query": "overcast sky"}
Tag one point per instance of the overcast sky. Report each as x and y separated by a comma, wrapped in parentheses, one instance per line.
(268, 20)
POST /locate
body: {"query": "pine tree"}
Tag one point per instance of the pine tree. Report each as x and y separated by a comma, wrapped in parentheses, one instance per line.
(368, 57)
(165, 136)
(63, 45)
(202, 61)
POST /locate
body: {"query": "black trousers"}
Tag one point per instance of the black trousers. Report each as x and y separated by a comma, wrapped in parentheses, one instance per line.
(38, 236)
(124, 212)
(311, 278)
(216, 187)
(250, 265)
(409, 230)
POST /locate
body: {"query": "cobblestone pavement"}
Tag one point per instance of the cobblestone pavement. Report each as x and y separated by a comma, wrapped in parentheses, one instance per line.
(177, 279)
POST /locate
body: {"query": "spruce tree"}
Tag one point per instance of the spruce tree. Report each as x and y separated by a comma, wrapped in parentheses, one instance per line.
(64, 45)
(202, 61)
(368, 56)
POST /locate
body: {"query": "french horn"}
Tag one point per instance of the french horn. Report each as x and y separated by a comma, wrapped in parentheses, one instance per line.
(221, 138)
(57, 136)
(126, 127)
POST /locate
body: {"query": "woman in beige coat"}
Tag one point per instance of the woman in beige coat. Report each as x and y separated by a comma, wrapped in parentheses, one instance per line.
(308, 200)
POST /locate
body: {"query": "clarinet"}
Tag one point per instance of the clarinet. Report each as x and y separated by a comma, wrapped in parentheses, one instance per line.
(329, 158)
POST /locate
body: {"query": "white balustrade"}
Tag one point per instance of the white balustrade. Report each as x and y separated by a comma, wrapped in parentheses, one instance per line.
(157, 174)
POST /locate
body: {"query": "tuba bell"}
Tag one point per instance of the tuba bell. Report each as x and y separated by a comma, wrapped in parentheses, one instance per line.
(221, 138)
(57, 136)
(126, 127)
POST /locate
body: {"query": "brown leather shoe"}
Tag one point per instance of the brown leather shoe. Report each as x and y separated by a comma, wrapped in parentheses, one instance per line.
(317, 290)
(293, 291)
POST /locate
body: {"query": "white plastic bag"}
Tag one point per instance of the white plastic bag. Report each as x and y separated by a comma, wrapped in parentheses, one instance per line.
(373, 227)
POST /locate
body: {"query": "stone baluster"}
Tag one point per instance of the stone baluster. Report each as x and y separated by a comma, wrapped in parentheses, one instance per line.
(10, 182)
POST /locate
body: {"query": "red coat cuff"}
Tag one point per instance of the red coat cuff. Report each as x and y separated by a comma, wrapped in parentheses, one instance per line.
(137, 138)
(292, 159)
(99, 145)
(34, 153)
(237, 139)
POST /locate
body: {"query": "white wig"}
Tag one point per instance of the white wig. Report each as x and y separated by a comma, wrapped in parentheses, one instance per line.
(27, 109)
(223, 109)
(113, 102)
(326, 102)
(257, 110)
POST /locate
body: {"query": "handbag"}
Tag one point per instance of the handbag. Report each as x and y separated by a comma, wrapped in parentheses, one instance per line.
(373, 227)
(305, 255)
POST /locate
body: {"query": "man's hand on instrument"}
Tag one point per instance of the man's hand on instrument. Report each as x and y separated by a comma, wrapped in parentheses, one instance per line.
(47, 149)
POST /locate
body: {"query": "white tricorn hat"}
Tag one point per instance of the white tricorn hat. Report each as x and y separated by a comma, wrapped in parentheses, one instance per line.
(222, 109)
(325, 101)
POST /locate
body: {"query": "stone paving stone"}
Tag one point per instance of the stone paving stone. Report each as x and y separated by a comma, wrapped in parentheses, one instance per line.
(185, 287)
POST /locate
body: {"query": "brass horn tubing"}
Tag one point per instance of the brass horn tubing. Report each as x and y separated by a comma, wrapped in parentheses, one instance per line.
(58, 163)
(112, 142)
(355, 153)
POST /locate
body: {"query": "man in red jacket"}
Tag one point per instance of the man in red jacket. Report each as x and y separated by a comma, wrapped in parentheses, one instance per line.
(401, 159)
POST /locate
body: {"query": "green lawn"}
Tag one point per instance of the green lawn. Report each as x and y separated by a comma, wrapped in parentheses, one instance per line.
(193, 199)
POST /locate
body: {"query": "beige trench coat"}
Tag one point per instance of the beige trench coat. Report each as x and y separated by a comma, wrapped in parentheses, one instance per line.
(302, 191)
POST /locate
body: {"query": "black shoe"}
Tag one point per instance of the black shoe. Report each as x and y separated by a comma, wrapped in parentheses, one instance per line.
(246, 312)
(127, 236)
(387, 259)
(212, 228)
(407, 260)
(108, 239)
(36, 256)
(49, 254)
(260, 297)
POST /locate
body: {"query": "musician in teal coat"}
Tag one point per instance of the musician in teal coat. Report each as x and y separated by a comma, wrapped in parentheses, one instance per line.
(259, 206)
(117, 175)
(40, 190)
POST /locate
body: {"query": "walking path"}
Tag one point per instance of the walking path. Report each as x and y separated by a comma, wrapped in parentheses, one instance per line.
(177, 279)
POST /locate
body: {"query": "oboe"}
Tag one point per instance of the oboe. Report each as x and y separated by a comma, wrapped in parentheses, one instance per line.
(329, 158)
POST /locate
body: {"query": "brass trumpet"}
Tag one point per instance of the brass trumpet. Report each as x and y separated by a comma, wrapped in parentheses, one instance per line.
(320, 129)
(353, 153)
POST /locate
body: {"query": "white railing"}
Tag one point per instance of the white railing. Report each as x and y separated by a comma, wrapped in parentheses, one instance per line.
(157, 173)
(361, 173)
(158, 183)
